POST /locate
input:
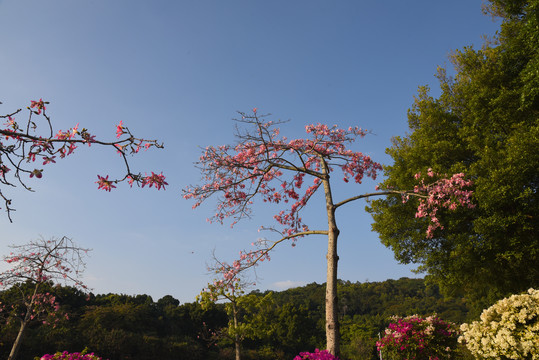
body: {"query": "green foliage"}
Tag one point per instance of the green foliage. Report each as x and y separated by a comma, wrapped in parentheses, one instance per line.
(485, 123)
(117, 327)
(255, 316)
(276, 325)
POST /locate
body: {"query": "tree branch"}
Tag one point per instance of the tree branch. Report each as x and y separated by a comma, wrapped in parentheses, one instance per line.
(381, 193)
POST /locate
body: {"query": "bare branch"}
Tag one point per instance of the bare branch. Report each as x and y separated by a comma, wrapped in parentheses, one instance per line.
(381, 193)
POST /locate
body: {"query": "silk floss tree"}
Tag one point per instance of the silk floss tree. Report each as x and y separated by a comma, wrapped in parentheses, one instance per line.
(291, 171)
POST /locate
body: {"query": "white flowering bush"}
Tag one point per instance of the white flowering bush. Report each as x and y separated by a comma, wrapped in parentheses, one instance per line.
(508, 329)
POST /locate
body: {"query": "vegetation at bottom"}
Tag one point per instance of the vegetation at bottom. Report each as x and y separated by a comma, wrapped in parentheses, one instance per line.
(117, 326)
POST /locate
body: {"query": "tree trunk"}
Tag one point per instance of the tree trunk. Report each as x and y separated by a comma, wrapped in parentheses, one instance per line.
(24, 323)
(237, 339)
(332, 320)
(238, 350)
(18, 340)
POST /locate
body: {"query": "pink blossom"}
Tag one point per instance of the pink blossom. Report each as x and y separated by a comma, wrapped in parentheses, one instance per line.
(104, 183)
(39, 105)
(157, 180)
(37, 173)
(119, 129)
(48, 160)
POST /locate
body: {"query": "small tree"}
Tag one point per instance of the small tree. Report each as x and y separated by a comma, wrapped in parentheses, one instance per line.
(230, 287)
(259, 165)
(22, 144)
(34, 266)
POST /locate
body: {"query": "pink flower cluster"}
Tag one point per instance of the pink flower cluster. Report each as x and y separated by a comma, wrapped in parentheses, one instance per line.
(443, 193)
(104, 183)
(418, 338)
(157, 180)
(316, 355)
(39, 105)
(70, 356)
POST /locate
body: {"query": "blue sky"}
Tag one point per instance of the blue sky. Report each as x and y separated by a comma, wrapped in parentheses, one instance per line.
(178, 71)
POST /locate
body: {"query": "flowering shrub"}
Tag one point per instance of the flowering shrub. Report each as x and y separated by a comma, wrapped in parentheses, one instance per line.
(67, 356)
(509, 329)
(413, 337)
(316, 355)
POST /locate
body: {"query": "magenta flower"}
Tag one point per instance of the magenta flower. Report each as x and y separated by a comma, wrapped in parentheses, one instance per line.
(316, 355)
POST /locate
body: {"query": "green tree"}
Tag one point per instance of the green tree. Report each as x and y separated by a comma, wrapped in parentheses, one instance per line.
(485, 123)
(241, 309)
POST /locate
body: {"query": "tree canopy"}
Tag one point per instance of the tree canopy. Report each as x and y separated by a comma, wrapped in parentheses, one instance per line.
(485, 123)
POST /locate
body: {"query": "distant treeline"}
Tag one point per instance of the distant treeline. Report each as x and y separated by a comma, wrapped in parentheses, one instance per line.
(137, 327)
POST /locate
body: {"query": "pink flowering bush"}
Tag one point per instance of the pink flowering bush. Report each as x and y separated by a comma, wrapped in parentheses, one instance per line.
(70, 356)
(419, 338)
(316, 355)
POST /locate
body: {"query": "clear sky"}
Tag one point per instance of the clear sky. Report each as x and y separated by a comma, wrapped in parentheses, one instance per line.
(178, 71)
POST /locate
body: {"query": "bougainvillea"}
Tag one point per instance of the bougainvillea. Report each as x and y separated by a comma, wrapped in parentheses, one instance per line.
(70, 356)
(25, 144)
(418, 338)
(508, 329)
(316, 355)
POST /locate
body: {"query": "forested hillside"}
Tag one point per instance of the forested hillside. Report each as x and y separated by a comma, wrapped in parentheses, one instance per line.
(137, 327)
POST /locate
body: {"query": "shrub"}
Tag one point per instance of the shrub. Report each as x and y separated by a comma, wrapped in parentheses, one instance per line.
(67, 356)
(316, 355)
(419, 338)
(509, 329)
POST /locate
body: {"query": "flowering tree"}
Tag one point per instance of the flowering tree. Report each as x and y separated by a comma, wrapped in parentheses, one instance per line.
(419, 338)
(33, 139)
(508, 329)
(275, 168)
(34, 266)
